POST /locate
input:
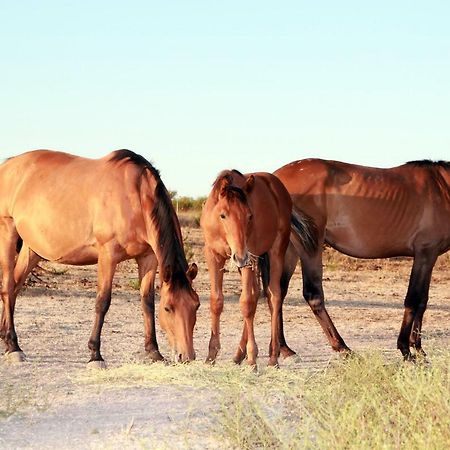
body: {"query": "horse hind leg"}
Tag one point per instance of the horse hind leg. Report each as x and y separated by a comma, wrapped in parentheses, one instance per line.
(415, 305)
(26, 262)
(415, 338)
(8, 243)
(313, 294)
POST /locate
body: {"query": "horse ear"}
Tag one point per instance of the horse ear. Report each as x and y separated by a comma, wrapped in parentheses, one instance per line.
(249, 183)
(192, 271)
(167, 274)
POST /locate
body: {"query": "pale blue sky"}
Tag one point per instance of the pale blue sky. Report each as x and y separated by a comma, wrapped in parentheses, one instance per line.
(200, 86)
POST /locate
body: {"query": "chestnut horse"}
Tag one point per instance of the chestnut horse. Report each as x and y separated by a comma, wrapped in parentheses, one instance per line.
(247, 218)
(59, 207)
(367, 212)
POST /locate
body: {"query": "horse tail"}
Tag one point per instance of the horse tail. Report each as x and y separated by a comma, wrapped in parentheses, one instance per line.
(19, 244)
(264, 271)
(304, 231)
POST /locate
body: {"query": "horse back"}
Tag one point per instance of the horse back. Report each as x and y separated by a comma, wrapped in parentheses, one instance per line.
(64, 207)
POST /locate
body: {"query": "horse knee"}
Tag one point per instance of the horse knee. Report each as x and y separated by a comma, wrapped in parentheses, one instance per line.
(248, 308)
(217, 305)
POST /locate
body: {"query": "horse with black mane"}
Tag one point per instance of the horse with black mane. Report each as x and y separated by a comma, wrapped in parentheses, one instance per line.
(368, 212)
(72, 210)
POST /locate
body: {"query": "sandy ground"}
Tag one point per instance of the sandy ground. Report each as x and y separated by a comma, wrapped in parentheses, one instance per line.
(54, 316)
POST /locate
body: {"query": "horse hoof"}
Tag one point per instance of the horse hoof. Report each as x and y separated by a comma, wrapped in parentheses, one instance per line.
(96, 365)
(210, 361)
(286, 352)
(155, 356)
(15, 357)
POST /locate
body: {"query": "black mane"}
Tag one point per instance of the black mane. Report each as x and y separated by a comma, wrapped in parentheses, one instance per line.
(124, 154)
(227, 188)
(429, 163)
(165, 220)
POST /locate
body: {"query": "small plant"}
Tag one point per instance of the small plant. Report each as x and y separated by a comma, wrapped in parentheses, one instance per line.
(135, 284)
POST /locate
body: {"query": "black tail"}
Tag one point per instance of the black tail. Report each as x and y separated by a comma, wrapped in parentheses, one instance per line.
(19, 244)
(304, 231)
(264, 271)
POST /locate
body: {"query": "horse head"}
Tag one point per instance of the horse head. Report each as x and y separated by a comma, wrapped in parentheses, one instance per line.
(178, 311)
(236, 217)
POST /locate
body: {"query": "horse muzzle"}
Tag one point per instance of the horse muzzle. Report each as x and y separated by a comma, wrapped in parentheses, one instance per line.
(184, 357)
(241, 262)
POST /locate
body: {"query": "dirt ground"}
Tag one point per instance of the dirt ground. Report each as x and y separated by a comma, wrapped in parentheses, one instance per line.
(55, 313)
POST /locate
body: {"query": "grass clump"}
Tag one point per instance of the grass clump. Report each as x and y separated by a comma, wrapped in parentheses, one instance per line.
(365, 403)
(362, 403)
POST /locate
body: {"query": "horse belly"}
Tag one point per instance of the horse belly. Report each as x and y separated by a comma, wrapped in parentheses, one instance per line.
(369, 231)
(58, 242)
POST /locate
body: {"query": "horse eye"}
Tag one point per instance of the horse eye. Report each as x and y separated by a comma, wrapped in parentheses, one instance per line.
(222, 216)
(167, 309)
(250, 217)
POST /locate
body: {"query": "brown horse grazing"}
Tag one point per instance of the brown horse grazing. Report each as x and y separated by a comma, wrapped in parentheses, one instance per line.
(372, 213)
(59, 207)
(246, 217)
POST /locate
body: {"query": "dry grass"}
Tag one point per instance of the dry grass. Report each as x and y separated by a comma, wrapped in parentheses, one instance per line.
(364, 402)
(16, 397)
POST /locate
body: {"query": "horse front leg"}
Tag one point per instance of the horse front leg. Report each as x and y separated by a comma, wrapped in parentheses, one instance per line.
(248, 301)
(415, 304)
(215, 263)
(241, 351)
(106, 269)
(147, 266)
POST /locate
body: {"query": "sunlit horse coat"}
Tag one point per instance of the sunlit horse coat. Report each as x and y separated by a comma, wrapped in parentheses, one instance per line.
(73, 210)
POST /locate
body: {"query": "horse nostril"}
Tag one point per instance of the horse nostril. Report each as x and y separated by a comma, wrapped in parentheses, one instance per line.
(240, 262)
